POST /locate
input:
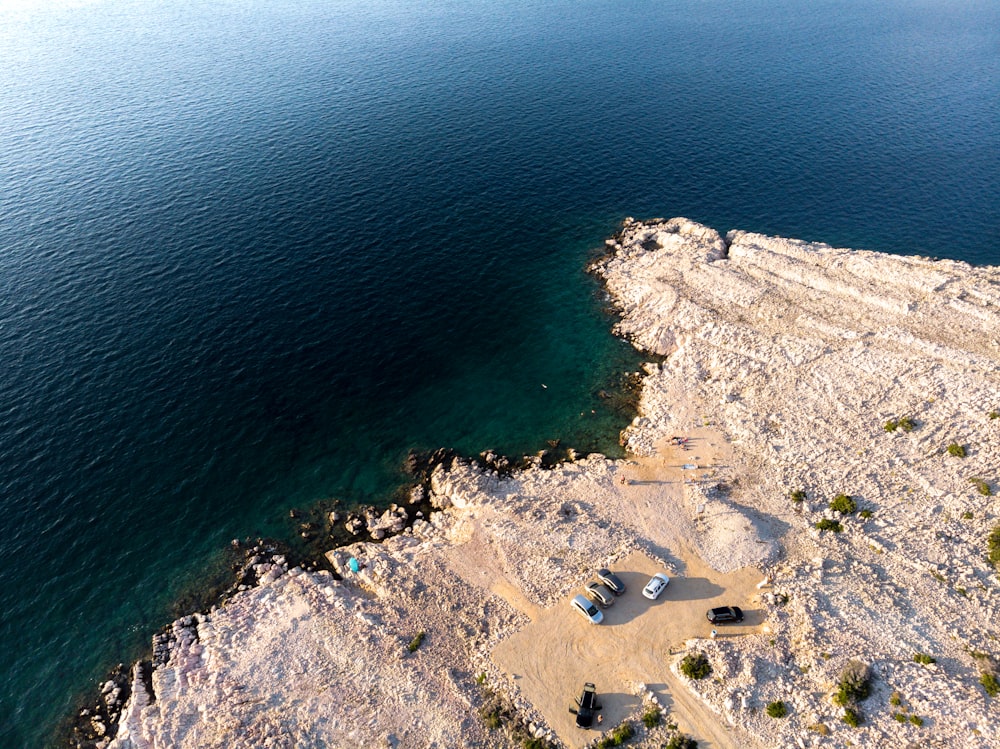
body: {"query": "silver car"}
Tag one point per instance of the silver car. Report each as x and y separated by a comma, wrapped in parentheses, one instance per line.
(586, 609)
(600, 595)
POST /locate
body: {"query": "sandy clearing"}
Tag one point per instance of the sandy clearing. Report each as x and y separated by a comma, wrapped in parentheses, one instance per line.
(552, 657)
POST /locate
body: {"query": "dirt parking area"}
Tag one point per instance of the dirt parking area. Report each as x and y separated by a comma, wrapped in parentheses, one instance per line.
(552, 657)
(555, 654)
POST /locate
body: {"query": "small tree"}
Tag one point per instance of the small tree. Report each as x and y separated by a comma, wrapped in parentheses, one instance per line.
(826, 524)
(854, 684)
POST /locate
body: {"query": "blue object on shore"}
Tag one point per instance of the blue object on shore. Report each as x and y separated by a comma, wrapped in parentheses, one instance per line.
(353, 564)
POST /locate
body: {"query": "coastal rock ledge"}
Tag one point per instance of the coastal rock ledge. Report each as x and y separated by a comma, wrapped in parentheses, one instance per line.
(786, 373)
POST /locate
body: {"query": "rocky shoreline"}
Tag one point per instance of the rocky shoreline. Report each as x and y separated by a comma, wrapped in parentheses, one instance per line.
(826, 372)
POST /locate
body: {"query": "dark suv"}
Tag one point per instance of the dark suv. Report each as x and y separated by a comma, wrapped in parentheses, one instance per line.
(587, 706)
(725, 615)
(612, 580)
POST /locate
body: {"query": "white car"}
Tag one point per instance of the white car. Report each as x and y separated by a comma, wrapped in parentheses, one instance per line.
(587, 610)
(655, 586)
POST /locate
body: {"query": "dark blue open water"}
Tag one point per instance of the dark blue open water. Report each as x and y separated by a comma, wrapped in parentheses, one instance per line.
(252, 252)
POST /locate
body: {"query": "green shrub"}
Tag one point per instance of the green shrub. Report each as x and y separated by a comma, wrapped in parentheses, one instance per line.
(923, 658)
(990, 683)
(891, 425)
(416, 642)
(826, 524)
(854, 684)
(852, 717)
(956, 449)
(907, 424)
(797, 496)
(481, 679)
(651, 718)
(899, 717)
(916, 720)
(895, 699)
(865, 514)
(967, 515)
(993, 546)
(994, 414)
(843, 504)
(493, 717)
(981, 486)
(680, 741)
(777, 709)
(695, 666)
(617, 737)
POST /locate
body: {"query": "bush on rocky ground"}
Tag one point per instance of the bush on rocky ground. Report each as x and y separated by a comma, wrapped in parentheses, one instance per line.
(854, 684)
(416, 642)
(651, 718)
(617, 737)
(695, 666)
(993, 547)
(680, 741)
(956, 450)
(852, 717)
(905, 423)
(981, 486)
(777, 709)
(826, 524)
(990, 683)
(843, 504)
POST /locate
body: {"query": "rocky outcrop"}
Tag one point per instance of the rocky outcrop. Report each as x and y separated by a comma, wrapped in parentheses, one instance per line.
(830, 372)
(810, 358)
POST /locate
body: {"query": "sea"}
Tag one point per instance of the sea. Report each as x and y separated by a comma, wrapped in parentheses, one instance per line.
(253, 252)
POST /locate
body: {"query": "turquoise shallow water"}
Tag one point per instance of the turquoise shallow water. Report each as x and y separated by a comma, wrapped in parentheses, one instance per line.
(252, 253)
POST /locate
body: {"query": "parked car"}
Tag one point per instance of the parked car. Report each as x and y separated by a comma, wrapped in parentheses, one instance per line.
(657, 584)
(587, 610)
(587, 706)
(612, 580)
(725, 615)
(600, 595)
